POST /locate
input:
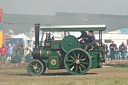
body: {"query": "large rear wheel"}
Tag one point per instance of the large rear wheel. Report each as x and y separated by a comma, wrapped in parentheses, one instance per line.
(77, 61)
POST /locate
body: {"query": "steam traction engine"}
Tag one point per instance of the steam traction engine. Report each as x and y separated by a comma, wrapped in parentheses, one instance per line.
(66, 53)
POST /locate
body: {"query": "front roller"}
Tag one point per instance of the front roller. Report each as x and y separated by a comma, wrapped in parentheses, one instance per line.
(36, 67)
(77, 61)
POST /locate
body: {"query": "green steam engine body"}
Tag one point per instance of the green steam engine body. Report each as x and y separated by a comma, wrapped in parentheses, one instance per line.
(67, 53)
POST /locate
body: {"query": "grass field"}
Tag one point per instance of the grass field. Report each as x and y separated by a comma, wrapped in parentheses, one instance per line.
(100, 76)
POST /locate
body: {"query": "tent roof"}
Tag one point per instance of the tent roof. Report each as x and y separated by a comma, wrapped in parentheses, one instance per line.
(22, 36)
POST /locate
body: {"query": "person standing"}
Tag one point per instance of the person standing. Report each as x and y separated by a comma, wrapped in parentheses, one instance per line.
(10, 52)
(28, 55)
(21, 50)
(112, 50)
(17, 58)
(123, 50)
(3, 52)
(108, 51)
(117, 53)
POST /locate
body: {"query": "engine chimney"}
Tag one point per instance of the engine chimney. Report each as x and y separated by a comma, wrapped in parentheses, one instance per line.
(36, 50)
(37, 26)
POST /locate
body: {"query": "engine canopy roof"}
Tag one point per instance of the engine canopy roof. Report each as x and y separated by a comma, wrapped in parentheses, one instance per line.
(74, 28)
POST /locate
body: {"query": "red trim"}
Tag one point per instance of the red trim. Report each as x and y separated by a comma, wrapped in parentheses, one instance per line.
(83, 39)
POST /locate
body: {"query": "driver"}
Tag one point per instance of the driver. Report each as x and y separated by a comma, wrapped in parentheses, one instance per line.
(84, 38)
(91, 40)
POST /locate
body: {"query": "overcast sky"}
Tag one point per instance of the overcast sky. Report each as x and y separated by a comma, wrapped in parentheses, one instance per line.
(50, 7)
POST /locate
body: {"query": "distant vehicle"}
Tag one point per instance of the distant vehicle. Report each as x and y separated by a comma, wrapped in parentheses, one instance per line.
(66, 53)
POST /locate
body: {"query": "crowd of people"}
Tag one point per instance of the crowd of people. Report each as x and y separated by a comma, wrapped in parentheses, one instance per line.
(114, 52)
(15, 53)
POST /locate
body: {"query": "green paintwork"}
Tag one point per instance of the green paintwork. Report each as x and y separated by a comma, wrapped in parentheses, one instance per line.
(53, 62)
(77, 61)
(35, 67)
(69, 42)
(43, 54)
(101, 48)
(53, 53)
(95, 57)
(74, 28)
(56, 44)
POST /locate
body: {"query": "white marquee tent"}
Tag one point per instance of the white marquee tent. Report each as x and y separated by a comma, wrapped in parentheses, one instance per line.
(25, 38)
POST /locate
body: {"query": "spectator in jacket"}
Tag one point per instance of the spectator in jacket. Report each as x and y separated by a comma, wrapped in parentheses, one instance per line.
(10, 52)
(112, 50)
(21, 50)
(117, 56)
(3, 52)
(28, 55)
(17, 58)
(123, 50)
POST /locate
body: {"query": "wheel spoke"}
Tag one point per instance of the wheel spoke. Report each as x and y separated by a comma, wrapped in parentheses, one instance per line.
(78, 55)
(70, 64)
(81, 56)
(76, 67)
(83, 59)
(75, 55)
(80, 68)
(72, 68)
(36, 64)
(84, 62)
(70, 60)
(38, 69)
(73, 58)
(82, 65)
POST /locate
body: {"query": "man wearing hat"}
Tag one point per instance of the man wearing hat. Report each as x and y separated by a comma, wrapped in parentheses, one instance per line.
(83, 38)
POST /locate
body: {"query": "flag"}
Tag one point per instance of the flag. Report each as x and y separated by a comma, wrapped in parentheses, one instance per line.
(0, 26)
(1, 38)
(2, 34)
(1, 14)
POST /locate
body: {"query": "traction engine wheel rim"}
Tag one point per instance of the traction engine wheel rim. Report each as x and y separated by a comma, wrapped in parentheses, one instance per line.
(44, 67)
(77, 61)
(35, 68)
